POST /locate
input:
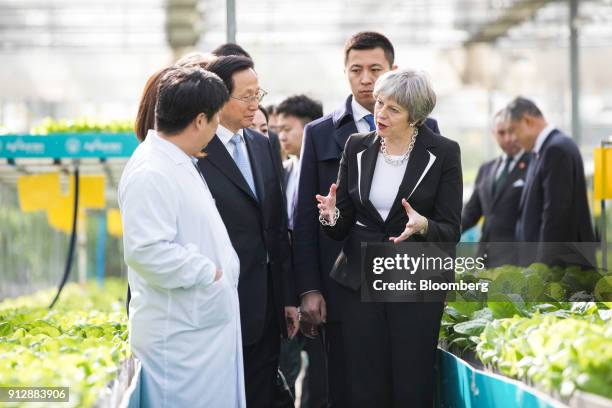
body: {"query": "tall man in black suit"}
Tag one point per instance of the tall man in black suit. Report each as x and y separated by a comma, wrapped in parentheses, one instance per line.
(497, 192)
(241, 172)
(554, 205)
(367, 55)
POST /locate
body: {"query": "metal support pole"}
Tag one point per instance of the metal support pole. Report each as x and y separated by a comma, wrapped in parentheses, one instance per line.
(231, 20)
(101, 249)
(602, 231)
(575, 70)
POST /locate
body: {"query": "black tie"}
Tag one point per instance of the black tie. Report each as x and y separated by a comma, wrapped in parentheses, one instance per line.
(503, 176)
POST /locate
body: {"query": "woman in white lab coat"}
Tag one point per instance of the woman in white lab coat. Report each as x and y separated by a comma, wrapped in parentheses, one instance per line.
(183, 271)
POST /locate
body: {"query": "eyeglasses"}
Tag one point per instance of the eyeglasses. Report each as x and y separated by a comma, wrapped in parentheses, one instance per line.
(255, 98)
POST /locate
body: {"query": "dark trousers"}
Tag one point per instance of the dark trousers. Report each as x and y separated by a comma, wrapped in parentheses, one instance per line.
(314, 388)
(337, 379)
(261, 361)
(390, 352)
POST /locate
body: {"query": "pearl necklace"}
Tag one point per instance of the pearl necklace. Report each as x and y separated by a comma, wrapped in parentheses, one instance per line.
(404, 157)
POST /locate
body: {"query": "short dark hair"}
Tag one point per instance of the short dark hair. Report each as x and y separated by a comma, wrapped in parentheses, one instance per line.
(265, 112)
(227, 49)
(271, 108)
(520, 107)
(369, 40)
(226, 67)
(302, 107)
(184, 93)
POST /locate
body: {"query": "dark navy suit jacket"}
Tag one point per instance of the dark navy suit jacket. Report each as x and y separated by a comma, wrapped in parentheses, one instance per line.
(499, 207)
(554, 205)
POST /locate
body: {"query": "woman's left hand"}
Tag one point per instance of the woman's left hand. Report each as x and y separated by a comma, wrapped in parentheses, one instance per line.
(417, 224)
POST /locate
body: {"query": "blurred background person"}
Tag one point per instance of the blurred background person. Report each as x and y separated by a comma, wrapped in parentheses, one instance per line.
(272, 119)
(496, 195)
(554, 206)
(145, 118)
(293, 114)
(227, 49)
(260, 122)
(195, 58)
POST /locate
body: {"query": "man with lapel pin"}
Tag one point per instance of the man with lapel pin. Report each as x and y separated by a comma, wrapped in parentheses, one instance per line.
(496, 196)
(241, 172)
(367, 55)
(554, 206)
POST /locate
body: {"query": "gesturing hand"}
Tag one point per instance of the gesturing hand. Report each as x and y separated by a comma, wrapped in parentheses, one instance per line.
(417, 224)
(327, 204)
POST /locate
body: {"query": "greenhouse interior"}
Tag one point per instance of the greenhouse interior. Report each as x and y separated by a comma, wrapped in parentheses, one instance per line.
(118, 289)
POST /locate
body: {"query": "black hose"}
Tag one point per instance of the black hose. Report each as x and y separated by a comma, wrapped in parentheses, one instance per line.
(72, 237)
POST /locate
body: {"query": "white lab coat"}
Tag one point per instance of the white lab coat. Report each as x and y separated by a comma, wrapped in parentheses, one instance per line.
(183, 325)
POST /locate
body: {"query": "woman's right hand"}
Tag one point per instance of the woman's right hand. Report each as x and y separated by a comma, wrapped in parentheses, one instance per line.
(327, 204)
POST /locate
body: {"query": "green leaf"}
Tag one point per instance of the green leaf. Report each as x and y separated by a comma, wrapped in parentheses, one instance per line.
(471, 327)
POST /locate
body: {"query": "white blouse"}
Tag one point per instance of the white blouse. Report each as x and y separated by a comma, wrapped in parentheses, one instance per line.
(385, 184)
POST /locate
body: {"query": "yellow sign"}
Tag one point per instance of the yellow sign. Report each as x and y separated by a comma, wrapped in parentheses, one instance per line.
(113, 222)
(91, 192)
(59, 214)
(37, 191)
(43, 192)
(602, 178)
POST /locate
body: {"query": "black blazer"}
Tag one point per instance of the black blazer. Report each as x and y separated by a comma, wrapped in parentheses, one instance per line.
(314, 252)
(257, 228)
(499, 207)
(432, 184)
(554, 205)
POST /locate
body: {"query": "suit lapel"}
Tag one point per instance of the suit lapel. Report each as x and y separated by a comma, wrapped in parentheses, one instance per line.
(489, 183)
(534, 164)
(255, 154)
(419, 163)
(346, 129)
(344, 123)
(219, 157)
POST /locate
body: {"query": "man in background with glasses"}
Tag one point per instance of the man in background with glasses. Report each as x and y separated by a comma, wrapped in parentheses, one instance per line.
(241, 172)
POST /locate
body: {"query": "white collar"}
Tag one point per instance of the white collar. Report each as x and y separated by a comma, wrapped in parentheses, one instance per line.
(169, 148)
(542, 138)
(226, 135)
(358, 111)
(515, 157)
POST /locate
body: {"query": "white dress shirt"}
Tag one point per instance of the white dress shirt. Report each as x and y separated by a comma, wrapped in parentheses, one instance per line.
(226, 135)
(292, 184)
(359, 112)
(542, 136)
(504, 159)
